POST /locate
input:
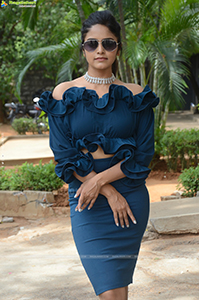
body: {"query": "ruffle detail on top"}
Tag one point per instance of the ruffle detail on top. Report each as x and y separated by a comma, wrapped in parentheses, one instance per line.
(92, 102)
(61, 107)
(109, 145)
(124, 149)
(81, 163)
(135, 173)
(102, 105)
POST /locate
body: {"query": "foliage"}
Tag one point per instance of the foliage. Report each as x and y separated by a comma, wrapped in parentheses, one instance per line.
(180, 148)
(63, 52)
(29, 177)
(17, 38)
(189, 181)
(23, 125)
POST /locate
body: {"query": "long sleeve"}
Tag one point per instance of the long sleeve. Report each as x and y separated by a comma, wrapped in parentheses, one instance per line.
(137, 157)
(136, 167)
(67, 156)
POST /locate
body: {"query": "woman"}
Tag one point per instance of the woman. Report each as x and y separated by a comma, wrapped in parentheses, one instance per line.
(101, 133)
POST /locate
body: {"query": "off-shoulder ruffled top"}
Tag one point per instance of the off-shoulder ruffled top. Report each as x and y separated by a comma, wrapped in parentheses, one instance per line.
(119, 122)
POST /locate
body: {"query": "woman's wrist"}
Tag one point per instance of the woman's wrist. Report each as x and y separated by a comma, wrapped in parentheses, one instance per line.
(109, 175)
(107, 190)
(100, 179)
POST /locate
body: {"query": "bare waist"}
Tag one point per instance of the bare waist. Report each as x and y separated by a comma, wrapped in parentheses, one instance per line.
(98, 154)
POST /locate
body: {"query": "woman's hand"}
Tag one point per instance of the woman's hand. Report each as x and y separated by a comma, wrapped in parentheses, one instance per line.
(120, 207)
(88, 192)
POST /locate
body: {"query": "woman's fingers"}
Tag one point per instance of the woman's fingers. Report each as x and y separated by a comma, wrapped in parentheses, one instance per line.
(87, 193)
(81, 201)
(78, 192)
(85, 200)
(124, 218)
(121, 218)
(91, 204)
(129, 211)
(122, 213)
(88, 202)
(115, 215)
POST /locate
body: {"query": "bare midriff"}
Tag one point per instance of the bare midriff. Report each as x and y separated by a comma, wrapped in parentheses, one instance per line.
(98, 154)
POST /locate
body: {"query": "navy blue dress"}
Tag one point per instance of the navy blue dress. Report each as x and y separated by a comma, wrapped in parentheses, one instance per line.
(121, 124)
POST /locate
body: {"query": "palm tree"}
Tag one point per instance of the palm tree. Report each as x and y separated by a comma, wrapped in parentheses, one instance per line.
(161, 38)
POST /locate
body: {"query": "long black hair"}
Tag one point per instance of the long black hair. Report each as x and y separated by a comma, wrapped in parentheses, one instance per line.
(105, 18)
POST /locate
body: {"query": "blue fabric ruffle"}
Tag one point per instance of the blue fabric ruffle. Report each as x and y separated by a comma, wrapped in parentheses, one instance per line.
(92, 102)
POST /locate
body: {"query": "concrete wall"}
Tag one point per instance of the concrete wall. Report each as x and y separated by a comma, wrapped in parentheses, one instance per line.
(33, 81)
(27, 204)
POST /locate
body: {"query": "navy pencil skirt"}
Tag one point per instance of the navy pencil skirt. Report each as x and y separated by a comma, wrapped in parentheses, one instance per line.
(109, 253)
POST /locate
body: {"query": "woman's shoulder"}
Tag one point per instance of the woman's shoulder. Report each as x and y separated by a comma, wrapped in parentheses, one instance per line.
(62, 87)
(140, 98)
(133, 87)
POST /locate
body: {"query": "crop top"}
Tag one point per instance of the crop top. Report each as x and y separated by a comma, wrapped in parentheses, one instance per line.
(119, 122)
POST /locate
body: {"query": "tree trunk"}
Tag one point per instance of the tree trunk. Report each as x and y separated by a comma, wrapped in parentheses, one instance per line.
(158, 109)
(121, 14)
(143, 75)
(135, 76)
(1, 112)
(155, 78)
(122, 69)
(194, 84)
(165, 115)
(80, 10)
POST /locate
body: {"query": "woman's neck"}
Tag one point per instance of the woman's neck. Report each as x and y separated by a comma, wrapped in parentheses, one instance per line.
(100, 73)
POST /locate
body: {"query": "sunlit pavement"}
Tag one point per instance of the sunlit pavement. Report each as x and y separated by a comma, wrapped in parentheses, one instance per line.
(39, 261)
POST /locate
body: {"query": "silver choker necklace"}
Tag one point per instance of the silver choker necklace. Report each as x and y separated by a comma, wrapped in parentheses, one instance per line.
(99, 80)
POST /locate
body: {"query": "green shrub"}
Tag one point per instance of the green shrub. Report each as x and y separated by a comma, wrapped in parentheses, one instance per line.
(23, 125)
(29, 177)
(180, 148)
(4, 178)
(189, 181)
(20, 125)
(159, 133)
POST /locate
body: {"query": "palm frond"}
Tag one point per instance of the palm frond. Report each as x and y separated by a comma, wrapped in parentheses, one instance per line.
(21, 76)
(66, 49)
(30, 15)
(136, 53)
(171, 66)
(66, 70)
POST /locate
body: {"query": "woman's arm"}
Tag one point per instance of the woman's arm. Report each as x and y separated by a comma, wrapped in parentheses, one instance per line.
(94, 183)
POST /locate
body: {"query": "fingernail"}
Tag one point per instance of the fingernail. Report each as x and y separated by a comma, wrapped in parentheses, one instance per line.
(80, 210)
(117, 224)
(122, 226)
(134, 221)
(127, 226)
(89, 208)
(75, 196)
(76, 209)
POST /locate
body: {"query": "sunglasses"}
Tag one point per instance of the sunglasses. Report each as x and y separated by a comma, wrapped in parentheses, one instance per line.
(108, 44)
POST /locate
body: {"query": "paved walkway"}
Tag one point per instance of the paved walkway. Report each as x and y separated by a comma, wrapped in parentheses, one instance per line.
(39, 261)
(18, 149)
(182, 120)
